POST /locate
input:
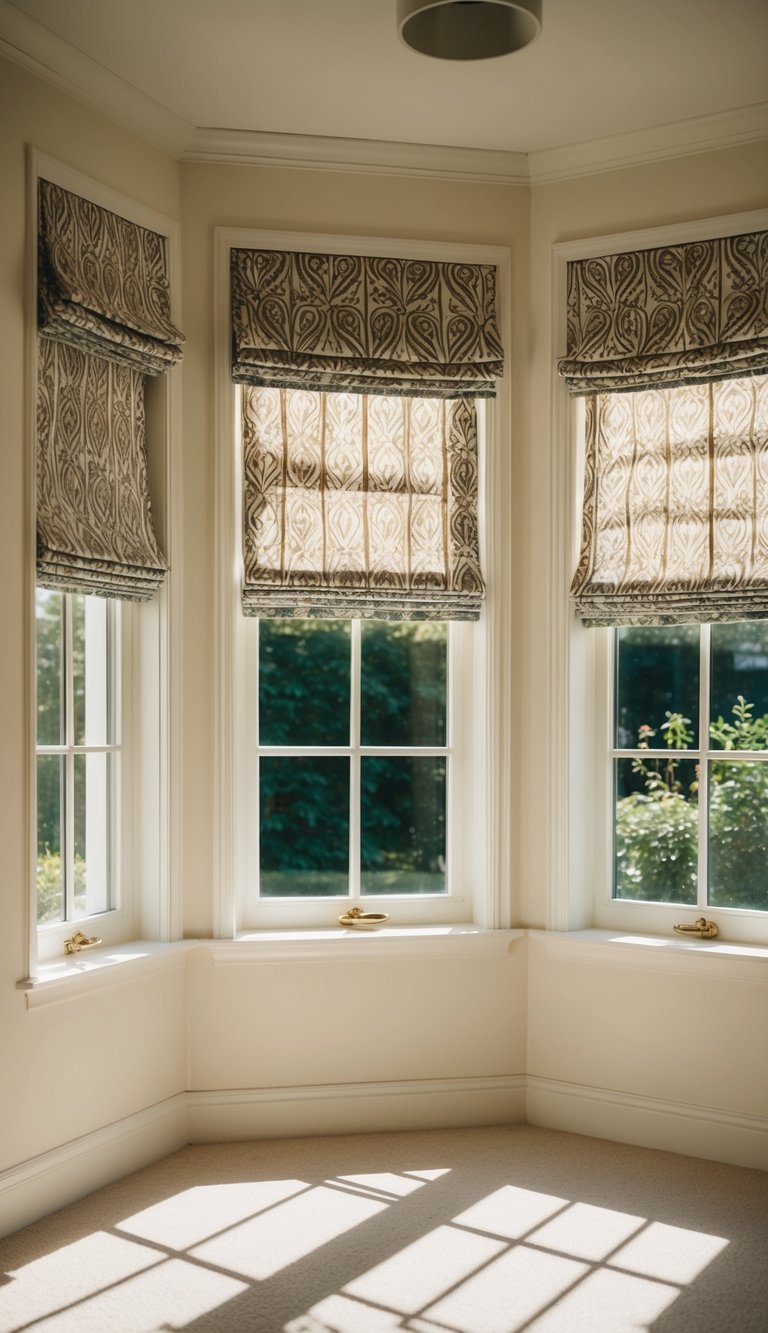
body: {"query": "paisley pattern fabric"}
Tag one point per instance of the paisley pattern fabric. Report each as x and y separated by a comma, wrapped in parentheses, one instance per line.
(103, 283)
(676, 506)
(94, 525)
(357, 505)
(364, 325)
(683, 314)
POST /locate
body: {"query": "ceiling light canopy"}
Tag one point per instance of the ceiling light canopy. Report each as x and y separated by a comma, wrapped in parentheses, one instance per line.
(468, 29)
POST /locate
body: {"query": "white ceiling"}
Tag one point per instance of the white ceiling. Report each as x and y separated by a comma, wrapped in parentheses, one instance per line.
(338, 68)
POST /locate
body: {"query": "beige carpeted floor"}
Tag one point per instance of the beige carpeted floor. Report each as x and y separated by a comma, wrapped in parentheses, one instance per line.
(473, 1231)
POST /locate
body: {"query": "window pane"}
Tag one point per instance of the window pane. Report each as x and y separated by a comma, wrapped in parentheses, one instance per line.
(657, 674)
(403, 825)
(91, 670)
(94, 787)
(304, 682)
(304, 827)
(403, 681)
(50, 867)
(50, 712)
(656, 837)
(738, 835)
(739, 706)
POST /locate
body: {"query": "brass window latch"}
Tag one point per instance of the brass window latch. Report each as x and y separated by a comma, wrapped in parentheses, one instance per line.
(361, 920)
(80, 941)
(703, 929)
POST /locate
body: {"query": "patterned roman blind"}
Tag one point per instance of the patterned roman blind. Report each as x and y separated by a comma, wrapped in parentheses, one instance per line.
(670, 346)
(675, 525)
(103, 323)
(360, 468)
(681, 314)
(103, 283)
(367, 325)
(359, 505)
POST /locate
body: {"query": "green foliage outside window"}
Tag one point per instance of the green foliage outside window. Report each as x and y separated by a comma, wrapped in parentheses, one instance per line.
(50, 891)
(304, 699)
(657, 825)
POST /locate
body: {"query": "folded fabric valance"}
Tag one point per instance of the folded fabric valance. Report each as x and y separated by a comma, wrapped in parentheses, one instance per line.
(103, 283)
(94, 524)
(359, 506)
(681, 314)
(676, 506)
(364, 325)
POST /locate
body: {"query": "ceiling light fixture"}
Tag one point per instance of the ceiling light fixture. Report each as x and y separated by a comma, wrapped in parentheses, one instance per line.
(468, 29)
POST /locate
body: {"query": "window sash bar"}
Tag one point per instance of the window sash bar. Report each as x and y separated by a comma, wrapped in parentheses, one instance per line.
(355, 814)
(347, 751)
(68, 849)
(78, 749)
(725, 755)
(705, 639)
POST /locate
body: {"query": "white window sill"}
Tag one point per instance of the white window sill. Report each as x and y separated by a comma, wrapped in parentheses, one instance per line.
(746, 962)
(76, 974)
(96, 969)
(355, 945)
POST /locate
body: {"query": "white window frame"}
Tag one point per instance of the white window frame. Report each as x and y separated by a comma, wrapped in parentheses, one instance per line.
(580, 740)
(149, 870)
(741, 922)
(105, 693)
(485, 893)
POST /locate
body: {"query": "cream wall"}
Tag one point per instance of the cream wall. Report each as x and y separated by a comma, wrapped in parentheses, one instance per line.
(74, 1067)
(353, 1020)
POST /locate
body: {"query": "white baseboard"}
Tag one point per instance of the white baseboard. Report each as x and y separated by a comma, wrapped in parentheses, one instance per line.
(60, 1176)
(698, 1131)
(356, 1108)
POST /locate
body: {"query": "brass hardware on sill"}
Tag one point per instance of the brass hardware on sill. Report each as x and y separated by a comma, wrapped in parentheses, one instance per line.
(360, 920)
(705, 930)
(80, 941)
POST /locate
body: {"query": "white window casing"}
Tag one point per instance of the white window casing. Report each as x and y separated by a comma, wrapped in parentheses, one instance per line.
(478, 655)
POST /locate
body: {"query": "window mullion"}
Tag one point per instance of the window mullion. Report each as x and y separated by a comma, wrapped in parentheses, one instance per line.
(255, 825)
(114, 765)
(68, 849)
(354, 763)
(703, 789)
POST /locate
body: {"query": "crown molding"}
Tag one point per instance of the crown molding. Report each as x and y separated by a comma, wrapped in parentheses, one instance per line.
(371, 156)
(680, 138)
(34, 47)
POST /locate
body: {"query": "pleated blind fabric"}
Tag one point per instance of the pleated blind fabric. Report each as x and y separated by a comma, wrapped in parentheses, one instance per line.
(676, 505)
(103, 323)
(681, 314)
(358, 505)
(94, 523)
(364, 325)
(103, 283)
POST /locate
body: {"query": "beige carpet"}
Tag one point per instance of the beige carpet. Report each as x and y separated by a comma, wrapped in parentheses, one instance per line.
(471, 1231)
